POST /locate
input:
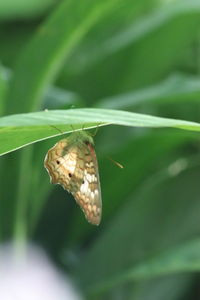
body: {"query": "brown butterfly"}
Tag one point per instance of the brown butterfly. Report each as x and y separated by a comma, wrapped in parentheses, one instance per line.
(72, 163)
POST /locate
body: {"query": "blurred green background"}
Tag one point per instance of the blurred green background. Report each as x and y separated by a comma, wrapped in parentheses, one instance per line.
(141, 56)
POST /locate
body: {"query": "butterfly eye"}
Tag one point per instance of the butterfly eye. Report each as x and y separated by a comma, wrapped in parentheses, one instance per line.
(83, 182)
(70, 175)
(57, 162)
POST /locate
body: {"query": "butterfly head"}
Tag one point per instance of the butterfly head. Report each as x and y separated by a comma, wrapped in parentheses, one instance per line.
(80, 136)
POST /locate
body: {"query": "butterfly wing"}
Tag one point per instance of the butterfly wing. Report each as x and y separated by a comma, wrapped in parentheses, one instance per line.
(75, 167)
(88, 194)
(60, 164)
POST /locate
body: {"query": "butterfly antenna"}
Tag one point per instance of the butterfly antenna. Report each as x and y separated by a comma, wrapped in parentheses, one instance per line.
(83, 127)
(72, 127)
(57, 129)
(115, 162)
(96, 130)
(76, 130)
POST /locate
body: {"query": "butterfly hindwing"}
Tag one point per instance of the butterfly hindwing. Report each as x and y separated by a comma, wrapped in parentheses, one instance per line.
(88, 194)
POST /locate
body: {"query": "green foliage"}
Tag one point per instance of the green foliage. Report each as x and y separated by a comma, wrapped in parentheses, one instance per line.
(81, 65)
(24, 129)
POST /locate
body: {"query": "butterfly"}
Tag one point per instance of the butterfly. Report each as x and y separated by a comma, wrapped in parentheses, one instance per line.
(72, 163)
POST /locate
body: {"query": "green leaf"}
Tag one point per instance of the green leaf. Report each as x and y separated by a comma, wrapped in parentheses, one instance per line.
(171, 287)
(135, 55)
(52, 44)
(22, 9)
(183, 258)
(154, 234)
(4, 75)
(159, 18)
(23, 129)
(175, 89)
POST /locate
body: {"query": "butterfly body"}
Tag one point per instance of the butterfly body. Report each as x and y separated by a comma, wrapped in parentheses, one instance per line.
(72, 163)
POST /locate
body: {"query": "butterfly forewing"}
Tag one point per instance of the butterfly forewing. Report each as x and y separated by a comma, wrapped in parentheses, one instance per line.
(72, 163)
